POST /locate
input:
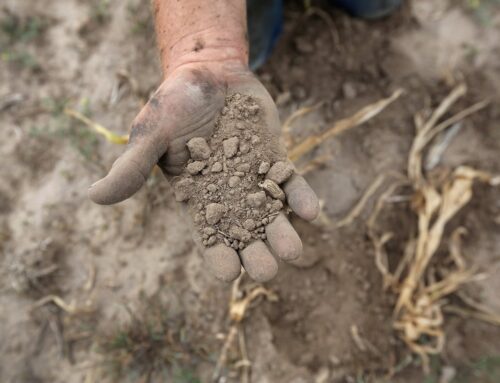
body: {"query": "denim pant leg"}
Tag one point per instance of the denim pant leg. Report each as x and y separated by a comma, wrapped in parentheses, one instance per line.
(265, 21)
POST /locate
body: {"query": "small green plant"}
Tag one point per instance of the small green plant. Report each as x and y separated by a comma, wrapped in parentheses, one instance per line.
(60, 126)
(484, 370)
(152, 346)
(100, 11)
(483, 10)
(15, 34)
(21, 59)
(142, 23)
(15, 29)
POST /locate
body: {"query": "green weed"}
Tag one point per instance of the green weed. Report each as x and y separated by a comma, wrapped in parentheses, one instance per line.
(140, 18)
(15, 29)
(61, 127)
(100, 11)
(153, 345)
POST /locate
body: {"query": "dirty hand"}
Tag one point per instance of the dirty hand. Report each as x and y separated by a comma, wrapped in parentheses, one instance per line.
(186, 105)
(204, 53)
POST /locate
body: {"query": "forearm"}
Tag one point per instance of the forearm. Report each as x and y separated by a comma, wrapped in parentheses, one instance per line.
(193, 31)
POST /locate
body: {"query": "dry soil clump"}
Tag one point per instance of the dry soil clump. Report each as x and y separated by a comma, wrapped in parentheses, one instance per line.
(232, 181)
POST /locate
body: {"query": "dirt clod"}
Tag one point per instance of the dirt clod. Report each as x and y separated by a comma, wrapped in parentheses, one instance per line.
(216, 167)
(231, 146)
(280, 172)
(198, 148)
(256, 199)
(182, 189)
(226, 190)
(264, 167)
(214, 213)
(195, 167)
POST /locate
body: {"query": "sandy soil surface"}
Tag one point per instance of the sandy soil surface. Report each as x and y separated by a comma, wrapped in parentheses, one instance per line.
(91, 293)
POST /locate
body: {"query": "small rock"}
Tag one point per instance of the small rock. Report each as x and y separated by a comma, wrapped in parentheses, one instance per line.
(235, 245)
(234, 181)
(256, 199)
(255, 140)
(244, 148)
(198, 218)
(253, 109)
(216, 167)
(211, 241)
(249, 224)
(349, 90)
(276, 205)
(273, 189)
(209, 231)
(198, 148)
(230, 146)
(263, 236)
(214, 213)
(195, 167)
(239, 174)
(183, 189)
(237, 160)
(212, 188)
(240, 125)
(304, 46)
(280, 172)
(264, 167)
(245, 168)
(240, 233)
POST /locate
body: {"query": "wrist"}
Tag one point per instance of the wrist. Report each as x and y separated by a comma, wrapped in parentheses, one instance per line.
(208, 49)
(196, 32)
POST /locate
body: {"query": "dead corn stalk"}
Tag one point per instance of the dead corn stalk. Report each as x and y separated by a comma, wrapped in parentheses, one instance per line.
(418, 314)
(239, 304)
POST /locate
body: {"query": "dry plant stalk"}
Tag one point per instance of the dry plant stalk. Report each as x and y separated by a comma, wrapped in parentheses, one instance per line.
(419, 308)
(296, 152)
(99, 129)
(239, 304)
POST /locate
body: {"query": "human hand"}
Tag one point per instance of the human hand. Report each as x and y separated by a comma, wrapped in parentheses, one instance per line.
(186, 105)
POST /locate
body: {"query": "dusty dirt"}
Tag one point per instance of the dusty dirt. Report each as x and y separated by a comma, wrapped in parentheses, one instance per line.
(99, 58)
(231, 182)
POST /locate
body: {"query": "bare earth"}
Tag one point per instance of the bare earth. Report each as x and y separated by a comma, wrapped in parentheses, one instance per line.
(332, 321)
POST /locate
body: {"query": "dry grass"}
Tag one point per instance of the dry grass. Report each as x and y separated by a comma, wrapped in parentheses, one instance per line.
(239, 303)
(418, 312)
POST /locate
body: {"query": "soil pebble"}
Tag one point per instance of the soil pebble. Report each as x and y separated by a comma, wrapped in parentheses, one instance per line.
(264, 167)
(182, 189)
(198, 148)
(231, 180)
(195, 167)
(230, 146)
(234, 181)
(256, 199)
(215, 211)
(216, 167)
(280, 172)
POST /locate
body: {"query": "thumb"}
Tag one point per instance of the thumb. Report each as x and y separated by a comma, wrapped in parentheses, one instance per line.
(129, 172)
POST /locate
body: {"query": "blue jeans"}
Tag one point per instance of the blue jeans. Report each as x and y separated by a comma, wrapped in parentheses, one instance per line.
(265, 20)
